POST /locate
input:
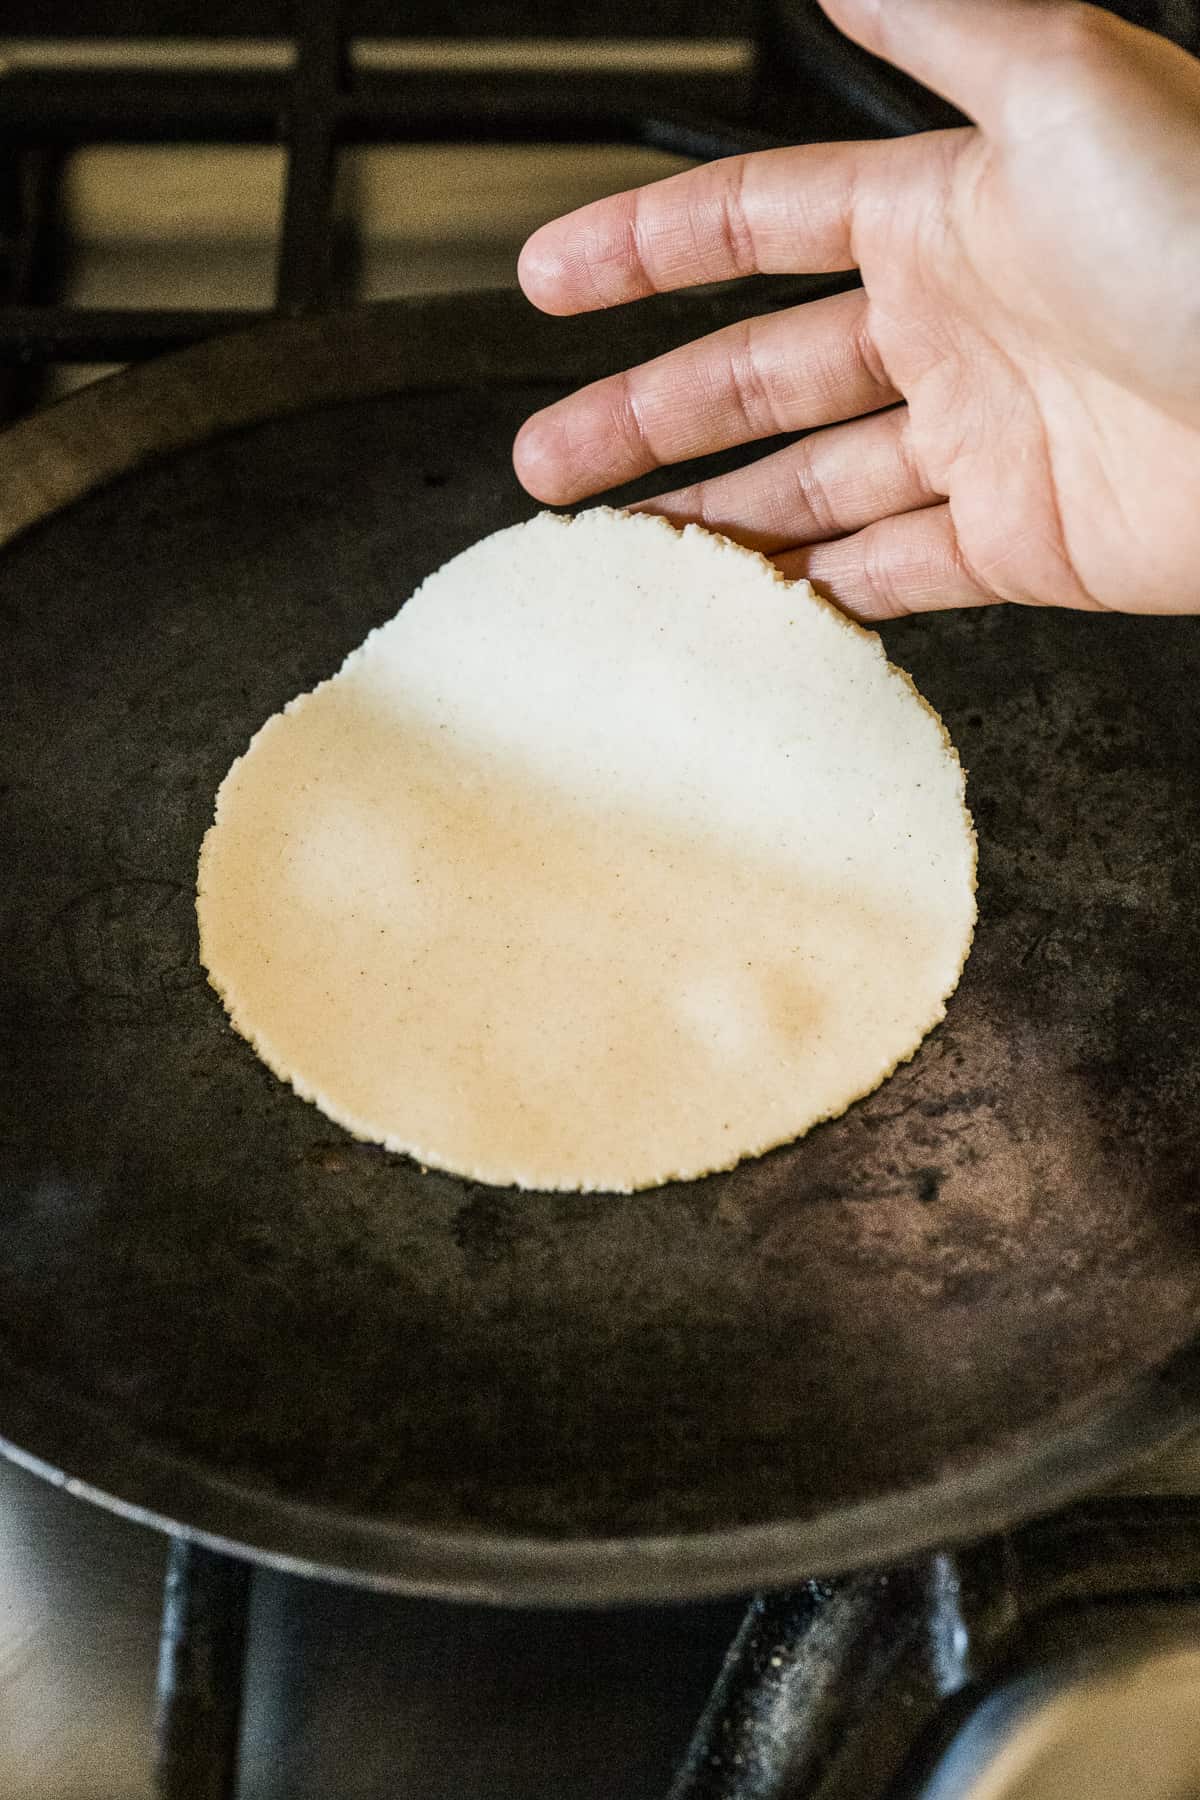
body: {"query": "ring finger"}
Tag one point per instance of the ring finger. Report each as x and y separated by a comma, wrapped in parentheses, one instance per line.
(828, 484)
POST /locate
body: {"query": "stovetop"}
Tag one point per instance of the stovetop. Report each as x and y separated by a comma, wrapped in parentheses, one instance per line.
(365, 1695)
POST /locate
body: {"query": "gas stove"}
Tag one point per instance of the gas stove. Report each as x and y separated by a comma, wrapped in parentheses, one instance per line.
(159, 188)
(946, 1679)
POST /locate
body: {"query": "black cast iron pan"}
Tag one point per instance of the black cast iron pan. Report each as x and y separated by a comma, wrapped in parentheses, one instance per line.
(972, 1296)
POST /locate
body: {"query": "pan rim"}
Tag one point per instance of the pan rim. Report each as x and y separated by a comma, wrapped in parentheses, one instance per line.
(496, 1568)
(101, 433)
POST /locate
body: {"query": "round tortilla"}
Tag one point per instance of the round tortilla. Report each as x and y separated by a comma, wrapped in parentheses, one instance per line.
(613, 858)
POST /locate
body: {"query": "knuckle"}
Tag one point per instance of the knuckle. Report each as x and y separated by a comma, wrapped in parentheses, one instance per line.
(637, 235)
(750, 387)
(879, 576)
(1080, 38)
(815, 499)
(960, 573)
(954, 570)
(629, 420)
(912, 473)
(1077, 53)
(867, 352)
(736, 233)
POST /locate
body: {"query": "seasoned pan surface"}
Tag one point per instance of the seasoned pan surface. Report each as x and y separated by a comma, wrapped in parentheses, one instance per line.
(972, 1294)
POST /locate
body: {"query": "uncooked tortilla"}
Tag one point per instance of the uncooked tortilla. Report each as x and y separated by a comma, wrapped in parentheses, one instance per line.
(612, 858)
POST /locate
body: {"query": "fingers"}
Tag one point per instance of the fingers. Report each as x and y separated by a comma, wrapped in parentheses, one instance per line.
(777, 211)
(830, 483)
(895, 549)
(909, 563)
(787, 371)
(978, 53)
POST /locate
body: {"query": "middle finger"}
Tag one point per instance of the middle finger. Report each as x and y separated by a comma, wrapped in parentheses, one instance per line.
(786, 371)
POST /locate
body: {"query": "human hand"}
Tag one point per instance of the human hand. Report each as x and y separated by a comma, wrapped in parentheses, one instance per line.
(1009, 407)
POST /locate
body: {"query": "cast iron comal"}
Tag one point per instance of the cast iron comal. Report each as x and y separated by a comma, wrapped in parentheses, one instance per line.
(973, 1295)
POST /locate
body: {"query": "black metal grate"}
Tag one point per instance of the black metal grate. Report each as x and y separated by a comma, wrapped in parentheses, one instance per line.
(805, 81)
(316, 102)
(851, 1689)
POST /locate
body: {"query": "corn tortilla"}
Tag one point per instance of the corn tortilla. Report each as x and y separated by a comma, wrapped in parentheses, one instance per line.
(613, 858)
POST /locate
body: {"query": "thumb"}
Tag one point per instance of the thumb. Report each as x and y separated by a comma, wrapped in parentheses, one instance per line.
(974, 53)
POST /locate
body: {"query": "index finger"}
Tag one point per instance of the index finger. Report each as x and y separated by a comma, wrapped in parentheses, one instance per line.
(771, 212)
